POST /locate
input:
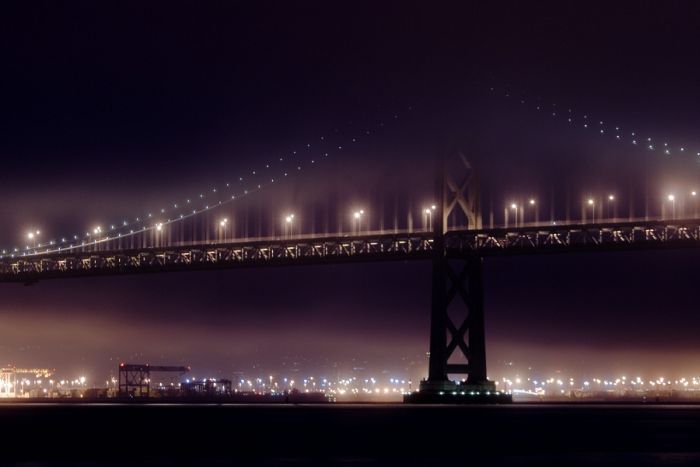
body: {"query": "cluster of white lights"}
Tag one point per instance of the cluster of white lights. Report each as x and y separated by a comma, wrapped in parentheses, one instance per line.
(589, 201)
(587, 122)
(553, 385)
(184, 210)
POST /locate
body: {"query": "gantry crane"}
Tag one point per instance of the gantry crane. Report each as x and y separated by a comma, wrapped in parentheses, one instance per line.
(8, 378)
(135, 379)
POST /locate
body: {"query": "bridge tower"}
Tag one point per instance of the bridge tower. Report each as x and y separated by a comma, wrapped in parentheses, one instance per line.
(457, 340)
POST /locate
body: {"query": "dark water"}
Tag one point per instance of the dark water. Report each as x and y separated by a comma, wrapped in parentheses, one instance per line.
(516, 435)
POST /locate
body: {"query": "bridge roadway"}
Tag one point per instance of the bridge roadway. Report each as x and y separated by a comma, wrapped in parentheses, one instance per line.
(365, 246)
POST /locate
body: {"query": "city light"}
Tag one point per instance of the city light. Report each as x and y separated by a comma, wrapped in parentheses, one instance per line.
(532, 202)
(223, 222)
(159, 226)
(366, 387)
(590, 201)
(671, 198)
(611, 197)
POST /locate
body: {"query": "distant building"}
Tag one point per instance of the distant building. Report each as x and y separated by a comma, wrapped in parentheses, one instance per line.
(209, 387)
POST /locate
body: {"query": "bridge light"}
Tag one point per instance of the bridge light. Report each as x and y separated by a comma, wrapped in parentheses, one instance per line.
(159, 226)
(671, 197)
(532, 202)
(611, 197)
(514, 206)
(30, 235)
(433, 207)
(693, 193)
(590, 201)
(223, 222)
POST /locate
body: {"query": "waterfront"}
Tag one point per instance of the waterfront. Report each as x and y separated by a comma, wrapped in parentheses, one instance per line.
(346, 434)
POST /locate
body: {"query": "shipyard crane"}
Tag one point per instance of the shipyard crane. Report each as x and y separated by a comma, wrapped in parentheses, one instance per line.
(8, 378)
(135, 378)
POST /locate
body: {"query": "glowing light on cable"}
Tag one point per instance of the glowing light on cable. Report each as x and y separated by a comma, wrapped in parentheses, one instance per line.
(136, 227)
(603, 128)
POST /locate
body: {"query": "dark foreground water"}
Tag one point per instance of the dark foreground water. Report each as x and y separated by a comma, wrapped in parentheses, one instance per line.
(352, 435)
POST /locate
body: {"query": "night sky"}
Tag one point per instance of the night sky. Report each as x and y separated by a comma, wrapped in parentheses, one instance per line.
(108, 111)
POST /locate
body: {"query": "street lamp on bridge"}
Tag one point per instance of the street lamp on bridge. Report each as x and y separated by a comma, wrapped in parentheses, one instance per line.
(533, 204)
(429, 217)
(157, 230)
(514, 207)
(358, 218)
(288, 224)
(223, 223)
(611, 206)
(32, 237)
(591, 203)
(672, 199)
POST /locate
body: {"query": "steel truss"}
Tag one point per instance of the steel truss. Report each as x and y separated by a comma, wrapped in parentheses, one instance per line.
(372, 246)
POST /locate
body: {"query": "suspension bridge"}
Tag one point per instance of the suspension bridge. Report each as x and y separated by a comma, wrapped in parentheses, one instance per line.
(454, 237)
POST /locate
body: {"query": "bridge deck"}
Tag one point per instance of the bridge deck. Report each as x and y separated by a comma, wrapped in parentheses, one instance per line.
(91, 260)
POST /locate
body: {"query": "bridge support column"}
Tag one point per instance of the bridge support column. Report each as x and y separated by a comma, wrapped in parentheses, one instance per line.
(457, 335)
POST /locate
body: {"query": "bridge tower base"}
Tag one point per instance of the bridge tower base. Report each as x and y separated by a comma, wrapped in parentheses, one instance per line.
(457, 309)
